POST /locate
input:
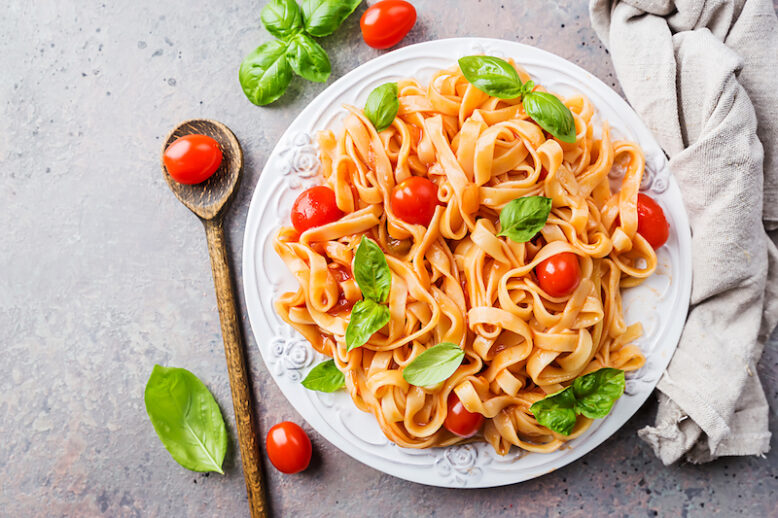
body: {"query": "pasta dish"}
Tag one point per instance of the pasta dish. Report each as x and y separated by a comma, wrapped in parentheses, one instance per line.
(500, 236)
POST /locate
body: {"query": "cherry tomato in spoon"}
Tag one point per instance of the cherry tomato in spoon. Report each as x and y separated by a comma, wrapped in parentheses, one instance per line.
(414, 200)
(559, 275)
(652, 224)
(192, 159)
(459, 420)
(288, 447)
(315, 207)
(385, 23)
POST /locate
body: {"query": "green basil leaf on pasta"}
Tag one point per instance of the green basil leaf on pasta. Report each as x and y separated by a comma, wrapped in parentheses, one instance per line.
(551, 114)
(325, 377)
(596, 392)
(371, 271)
(492, 75)
(282, 18)
(524, 217)
(367, 317)
(186, 418)
(434, 365)
(323, 17)
(265, 73)
(382, 106)
(556, 412)
(308, 59)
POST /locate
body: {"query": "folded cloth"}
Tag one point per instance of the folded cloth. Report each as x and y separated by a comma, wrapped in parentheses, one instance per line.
(701, 74)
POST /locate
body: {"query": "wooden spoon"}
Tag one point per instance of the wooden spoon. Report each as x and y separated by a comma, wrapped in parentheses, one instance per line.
(208, 201)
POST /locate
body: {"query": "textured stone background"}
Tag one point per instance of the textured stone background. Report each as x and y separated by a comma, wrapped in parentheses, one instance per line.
(103, 273)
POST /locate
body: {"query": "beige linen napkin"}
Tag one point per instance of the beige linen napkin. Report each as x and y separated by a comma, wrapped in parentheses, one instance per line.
(702, 74)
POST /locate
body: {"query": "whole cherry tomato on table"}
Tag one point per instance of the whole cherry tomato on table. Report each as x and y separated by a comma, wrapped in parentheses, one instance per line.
(652, 224)
(559, 275)
(315, 207)
(459, 420)
(414, 200)
(288, 447)
(192, 159)
(385, 23)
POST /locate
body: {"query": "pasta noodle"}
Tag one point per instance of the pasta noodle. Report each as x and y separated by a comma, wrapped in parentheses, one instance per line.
(459, 282)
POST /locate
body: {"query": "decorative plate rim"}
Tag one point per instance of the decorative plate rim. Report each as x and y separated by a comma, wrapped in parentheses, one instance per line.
(286, 354)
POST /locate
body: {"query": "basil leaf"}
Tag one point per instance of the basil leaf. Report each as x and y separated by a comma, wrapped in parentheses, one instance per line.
(434, 365)
(323, 17)
(265, 73)
(382, 106)
(596, 392)
(367, 317)
(491, 75)
(282, 17)
(308, 59)
(524, 217)
(186, 418)
(371, 271)
(551, 114)
(325, 377)
(556, 412)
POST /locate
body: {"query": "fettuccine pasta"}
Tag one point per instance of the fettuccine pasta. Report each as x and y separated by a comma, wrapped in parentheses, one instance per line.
(455, 280)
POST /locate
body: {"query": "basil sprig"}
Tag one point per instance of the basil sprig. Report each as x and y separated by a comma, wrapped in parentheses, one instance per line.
(186, 418)
(265, 73)
(434, 365)
(325, 377)
(371, 271)
(382, 106)
(498, 78)
(524, 217)
(591, 395)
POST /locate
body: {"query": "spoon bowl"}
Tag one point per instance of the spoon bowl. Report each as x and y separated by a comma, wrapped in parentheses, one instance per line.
(207, 199)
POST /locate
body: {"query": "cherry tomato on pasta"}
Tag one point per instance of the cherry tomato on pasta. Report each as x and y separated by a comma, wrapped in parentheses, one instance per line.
(414, 200)
(288, 447)
(652, 223)
(385, 23)
(559, 275)
(314, 208)
(459, 420)
(192, 159)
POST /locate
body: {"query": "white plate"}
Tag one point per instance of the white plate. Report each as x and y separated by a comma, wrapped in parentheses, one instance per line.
(660, 303)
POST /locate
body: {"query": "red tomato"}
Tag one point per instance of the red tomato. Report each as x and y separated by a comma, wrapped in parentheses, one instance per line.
(414, 200)
(652, 223)
(288, 447)
(384, 24)
(459, 421)
(314, 208)
(192, 158)
(559, 275)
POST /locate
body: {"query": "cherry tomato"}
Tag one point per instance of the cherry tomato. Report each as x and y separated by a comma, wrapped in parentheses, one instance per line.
(384, 24)
(459, 420)
(314, 208)
(560, 274)
(652, 223)
(288, 447)
(192, 158)
(414, 200)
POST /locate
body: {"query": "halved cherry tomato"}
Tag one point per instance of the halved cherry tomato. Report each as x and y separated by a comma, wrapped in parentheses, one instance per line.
(288, 447)
(192, 159)
(559, 275)
(459, 420)
(385, 23)
(414, 200)
(652, 223)
(314, 208)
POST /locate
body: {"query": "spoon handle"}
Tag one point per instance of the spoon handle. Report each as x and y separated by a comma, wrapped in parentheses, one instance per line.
(236, 366)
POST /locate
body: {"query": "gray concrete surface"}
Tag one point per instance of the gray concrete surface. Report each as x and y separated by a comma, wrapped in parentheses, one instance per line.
(103, 274)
